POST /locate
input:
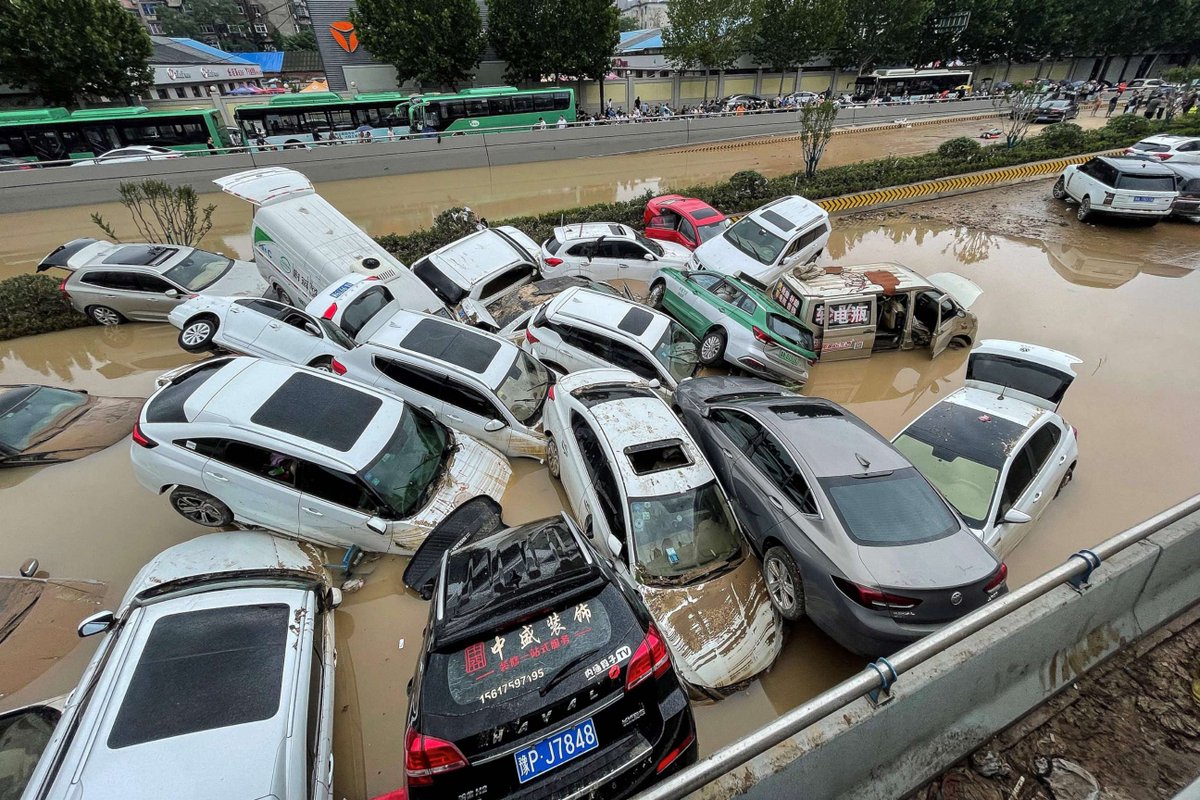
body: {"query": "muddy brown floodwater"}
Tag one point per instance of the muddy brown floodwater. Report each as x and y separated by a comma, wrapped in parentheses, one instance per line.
(1123, 299)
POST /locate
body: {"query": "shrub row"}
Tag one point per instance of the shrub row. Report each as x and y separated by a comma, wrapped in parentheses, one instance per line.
(745, 191)
(32, 304)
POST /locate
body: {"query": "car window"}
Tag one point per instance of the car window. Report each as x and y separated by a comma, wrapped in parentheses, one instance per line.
(405, 470)
(1146, 183)
(335, 487)
(468, 399)
(1020, 475)
(27, 411)
(677, 534)
(441, 284)
(584, 340)
(428, 383)
(686, 230)
(677, 351)
(523, 390)
(792, 331)
(728, 292)
(755, 241)
(601, 474)
(363, 308)
(506, 280)
(626, 357)
(261, 461)
(1042, 444)
(268, 307)
(583, 250)
(649, 244)
(109, 280)
(705, 280)
(629, 250)
(739, 427)
(149, 283)
(774, 462)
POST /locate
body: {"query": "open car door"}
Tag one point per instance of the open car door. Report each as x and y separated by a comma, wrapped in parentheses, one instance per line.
(475, 518)
(1028, 372)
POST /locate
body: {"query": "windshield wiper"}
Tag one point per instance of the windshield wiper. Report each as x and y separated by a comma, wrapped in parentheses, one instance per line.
(557, 677)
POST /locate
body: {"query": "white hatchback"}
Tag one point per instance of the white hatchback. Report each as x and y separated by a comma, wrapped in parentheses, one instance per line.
(768, 241)
(608, 251)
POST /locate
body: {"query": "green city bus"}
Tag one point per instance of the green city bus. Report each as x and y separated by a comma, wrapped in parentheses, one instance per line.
(54, 134)
(487, 108)
(293, 119)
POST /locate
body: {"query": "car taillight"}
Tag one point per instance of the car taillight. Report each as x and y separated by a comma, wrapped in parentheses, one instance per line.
(670, 757)
(329, 312)
(761, 335)
(142, 439)
(428, 756)
(62, 287)
(874, 599)
(998, 579)
(1163, 156)
(372, 277)
(553, 262)
(1108, 198)
(397, 794)
(550, 392)
(338, 367)
(529, 337)
(651, 658)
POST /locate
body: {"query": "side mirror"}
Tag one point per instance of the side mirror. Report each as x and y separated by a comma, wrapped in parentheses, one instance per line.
(377, 524)
(334, 597)
(960, 313)
(614, 544)
(650, 257)
(96, 623)
(655, 383)
(1016, 517)
(493, 425)
(311, 329)
(172, 293)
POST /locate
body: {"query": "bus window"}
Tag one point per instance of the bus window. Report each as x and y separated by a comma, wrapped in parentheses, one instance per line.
(562, 101)
(476, 108)
(102, 138)
(451, 110)
(46, 145)
(342, 120)
(522, 104)
(500, 105)
(543, 102)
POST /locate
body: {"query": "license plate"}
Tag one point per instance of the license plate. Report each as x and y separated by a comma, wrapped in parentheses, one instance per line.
(1140, 199)
(784, 355)
(341, 290)
(555, 750)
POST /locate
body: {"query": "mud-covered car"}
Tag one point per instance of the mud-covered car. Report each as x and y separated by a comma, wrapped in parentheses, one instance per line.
(46, 425)
(646, 496)
(513, 312)
(542, 675)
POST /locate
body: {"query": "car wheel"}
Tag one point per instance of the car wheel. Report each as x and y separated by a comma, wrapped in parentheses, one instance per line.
(712, 348)
(1060, 189)
(1085, 209)
(103, 315)
(552, 464)
(197, 333)
(657, 290)
(783, 583)
(324, 364)
(1070, 476)
(281, 295)
(200, 507)
(959, 343)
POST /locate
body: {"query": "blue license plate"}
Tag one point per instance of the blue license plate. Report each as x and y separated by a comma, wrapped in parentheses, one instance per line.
(555, 750)
(1140, 199)
(341, 290)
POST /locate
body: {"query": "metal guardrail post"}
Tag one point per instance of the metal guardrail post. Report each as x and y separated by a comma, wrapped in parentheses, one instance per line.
(871, 679)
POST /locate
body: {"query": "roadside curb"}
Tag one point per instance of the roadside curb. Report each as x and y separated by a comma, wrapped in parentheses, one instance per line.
(958, 184)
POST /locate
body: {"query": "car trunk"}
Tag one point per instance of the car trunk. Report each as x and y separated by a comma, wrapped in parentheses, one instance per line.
(1141, 193)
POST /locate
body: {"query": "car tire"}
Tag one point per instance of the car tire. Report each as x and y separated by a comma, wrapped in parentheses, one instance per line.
(1066, 479)
(712, 347)
(281, 295)
(200, 507)
(103, 315)
(198, 332)
(1085, 209)
(1060, 189)
(784, 585)
(323, 364)
(553, 466)
(655, 299)
(959, 343)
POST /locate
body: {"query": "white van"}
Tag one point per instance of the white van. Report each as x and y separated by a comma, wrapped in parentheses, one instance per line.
(302, 243)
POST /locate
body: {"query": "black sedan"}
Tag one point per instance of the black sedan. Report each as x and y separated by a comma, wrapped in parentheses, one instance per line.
(1055, 111)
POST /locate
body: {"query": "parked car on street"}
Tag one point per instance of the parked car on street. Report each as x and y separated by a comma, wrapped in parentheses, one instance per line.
(1054, 111)
(47, 425)
(581, 329)
(768, 241)
(1187, 202)
(115, 283)
(305, 454)
(607, 251)
(234, 634)
(1120, 187)
(734, 100)
(541, 673)
(997, 449)
(859, 310)
(850, 533)
(683, 220)
(1167, 147)
(736, 322)
(128, 155)
(645, 495)
(472, 381)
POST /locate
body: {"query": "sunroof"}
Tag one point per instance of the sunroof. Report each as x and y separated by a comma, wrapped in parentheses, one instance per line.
(141, 255)
(657, 456)
(202, 670)
(452, 343)
(636, 321)
(704, 213)
(320, 410)
(617, 230)
(804, 411)
(779, 221)
(606, 394)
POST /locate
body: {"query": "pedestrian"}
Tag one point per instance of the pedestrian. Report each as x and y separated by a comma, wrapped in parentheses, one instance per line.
(1095, 105)
(562, 122)
(1131, 104)
(1112, 104)
(541, 124)
(637, 102)
(212, 148)
(1152, 106)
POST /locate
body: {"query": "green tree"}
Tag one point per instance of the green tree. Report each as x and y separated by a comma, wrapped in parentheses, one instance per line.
(302, 40)
(428, 41)
(65, 50)
(205, 19)
(816, 129)
(586, 33)
(879, 32)
(706, 34)
(629, 23)
(786, 34)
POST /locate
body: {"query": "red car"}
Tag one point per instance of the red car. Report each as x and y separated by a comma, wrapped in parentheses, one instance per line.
(683, 220)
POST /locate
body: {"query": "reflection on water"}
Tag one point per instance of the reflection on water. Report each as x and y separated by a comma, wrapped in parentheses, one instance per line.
(1101, 268)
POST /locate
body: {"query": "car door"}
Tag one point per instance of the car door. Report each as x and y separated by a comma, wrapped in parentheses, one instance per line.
(782, 491)
(577, 259)
(116, 289)
(293, 336)
(628, 357)
(335, 507)
(244, 323)
(468, 409)
(948, 313)
(258, 484)
(156, 295)
(1033, 476)
(632, 261)
(694, 304)
(605, 264)
(736, 434)
(686, 234)
(1078, 179)
(662, 226)
(848, 327)
(411, 383)
(581, 349)
(592, 489)
(1188, 152)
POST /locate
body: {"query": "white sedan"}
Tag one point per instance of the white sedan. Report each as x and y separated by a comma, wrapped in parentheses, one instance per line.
(997, 449)
(125, 155)
(608, 251)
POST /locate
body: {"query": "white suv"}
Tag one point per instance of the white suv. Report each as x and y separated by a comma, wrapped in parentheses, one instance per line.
(768, 241)
(582, 329)
(482, 267)
(306, 454)
(608, 251)
(215, 680)
(472, 381)
(1125, 187)
(1168, 147)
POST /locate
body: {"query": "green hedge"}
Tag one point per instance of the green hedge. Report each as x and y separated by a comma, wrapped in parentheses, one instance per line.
(32, 304)
(746, 191)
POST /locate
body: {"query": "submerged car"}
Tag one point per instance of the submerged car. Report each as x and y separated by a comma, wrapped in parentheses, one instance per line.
(736, 322)
(1187, 203)
(306, 454)
(115, 283)
(607, 251)
(1118, 187)
(683, 220)
(645, 495)
(850, 533)
(997, 449)
(46, 425)
(541, 674)
(234, 634)
(768, 241)
(483, 267)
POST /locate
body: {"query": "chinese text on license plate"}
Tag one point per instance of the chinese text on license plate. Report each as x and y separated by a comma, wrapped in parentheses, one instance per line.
(554, 750)
(1142, 199)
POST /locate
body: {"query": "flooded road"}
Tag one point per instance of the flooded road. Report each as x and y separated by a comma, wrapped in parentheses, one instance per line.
(1123, 299)
(402, 203)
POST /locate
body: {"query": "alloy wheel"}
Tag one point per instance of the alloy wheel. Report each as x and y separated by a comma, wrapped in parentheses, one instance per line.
(196, 334)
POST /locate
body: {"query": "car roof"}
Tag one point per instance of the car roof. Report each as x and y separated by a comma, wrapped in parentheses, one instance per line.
(1169, 138)
(838, 281)
(989, 403)
(1140, 165)
(785, 216)
(450, 343)
(609, 312)
(593, 230)
(687, 206)
(472, 258)
(974, 423)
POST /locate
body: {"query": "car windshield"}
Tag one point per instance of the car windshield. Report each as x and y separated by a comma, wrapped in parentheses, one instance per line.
(28, 411)
(409, 463)
(755, 241)
(447, 290)
(712, 229)
(677, 351)
(899, 507)
(649, 244)
(968, 484)
(523, 390)
(199, 270)
(684, 533)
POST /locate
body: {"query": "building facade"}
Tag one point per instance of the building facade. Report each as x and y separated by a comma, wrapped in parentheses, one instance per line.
(257, 20)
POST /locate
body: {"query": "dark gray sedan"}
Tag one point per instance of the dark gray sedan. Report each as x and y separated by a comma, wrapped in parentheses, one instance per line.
(848, 531)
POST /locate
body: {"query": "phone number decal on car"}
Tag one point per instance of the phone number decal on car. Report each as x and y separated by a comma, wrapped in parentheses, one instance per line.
(515, 682)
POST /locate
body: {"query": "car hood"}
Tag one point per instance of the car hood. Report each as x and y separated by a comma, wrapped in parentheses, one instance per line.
(242, 280)
(102, 422)
(721, 632)
(953, 560)
(186, 310)
(964, 291)
(673, 252)
(719, 255)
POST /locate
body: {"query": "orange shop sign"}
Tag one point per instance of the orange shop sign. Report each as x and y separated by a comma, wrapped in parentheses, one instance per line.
(344, 34)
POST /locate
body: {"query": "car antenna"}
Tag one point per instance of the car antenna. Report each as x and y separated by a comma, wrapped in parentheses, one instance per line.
(1003, 389)
(862, 460)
